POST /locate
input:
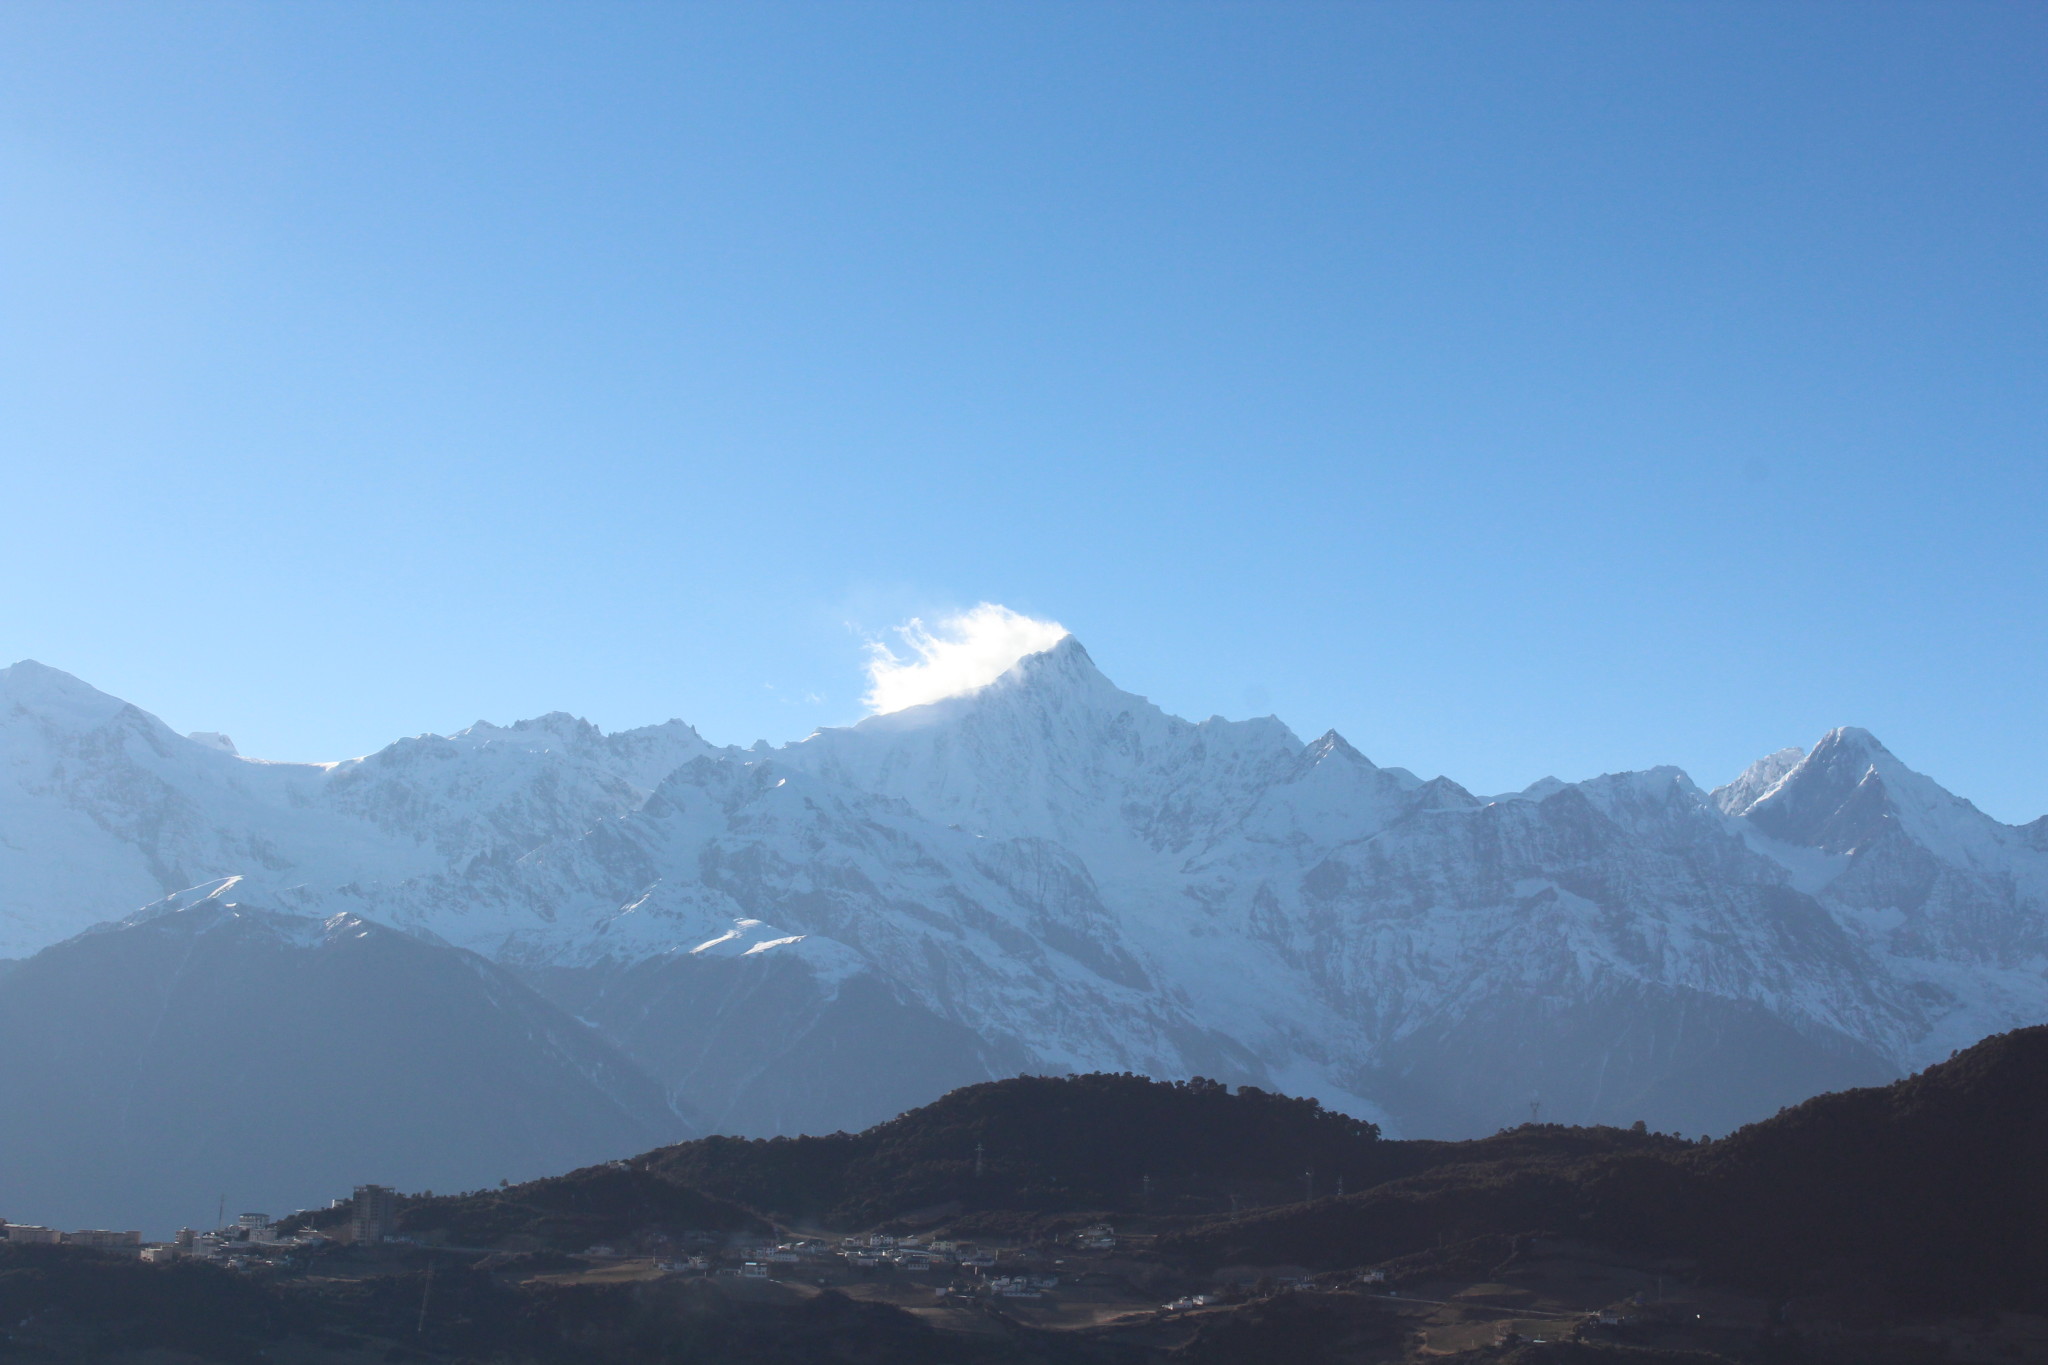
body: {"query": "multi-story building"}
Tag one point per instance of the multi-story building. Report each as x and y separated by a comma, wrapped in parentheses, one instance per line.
(375, 1214)
(29, 1232)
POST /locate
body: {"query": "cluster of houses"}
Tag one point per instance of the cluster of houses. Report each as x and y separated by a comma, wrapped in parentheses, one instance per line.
(250, 1242)
(875, 1251)
(241, 1245)
(1018, 1286)
(97, 1239)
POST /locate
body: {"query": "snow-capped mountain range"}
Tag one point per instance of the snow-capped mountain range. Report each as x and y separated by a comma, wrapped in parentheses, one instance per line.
(1048, 873)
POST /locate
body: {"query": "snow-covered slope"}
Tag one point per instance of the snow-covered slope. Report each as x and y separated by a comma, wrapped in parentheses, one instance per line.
(103, 808)
(1049, 873)
(1951, 904)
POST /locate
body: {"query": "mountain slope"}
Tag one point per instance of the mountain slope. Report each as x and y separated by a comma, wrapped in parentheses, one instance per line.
(103, 808)
(204, 1048)
(1051, 874)
(1897, 1223)
(1926, 1194)
(753, 928)
(1098, 1142)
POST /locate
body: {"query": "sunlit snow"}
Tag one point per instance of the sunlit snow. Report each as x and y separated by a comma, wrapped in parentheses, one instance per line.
(954, 655)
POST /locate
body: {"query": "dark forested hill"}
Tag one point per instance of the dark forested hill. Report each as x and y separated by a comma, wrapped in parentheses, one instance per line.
(1094, 1144)
(1925, 1197)
(1931, 1191)
(1934, 1189)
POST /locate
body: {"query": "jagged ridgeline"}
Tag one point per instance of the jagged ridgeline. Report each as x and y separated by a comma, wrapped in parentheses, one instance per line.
(642, 937)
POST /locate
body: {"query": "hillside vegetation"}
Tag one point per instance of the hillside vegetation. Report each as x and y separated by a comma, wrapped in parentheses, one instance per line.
(1838, 1232)
(1927, 1192)
(1931, 1190)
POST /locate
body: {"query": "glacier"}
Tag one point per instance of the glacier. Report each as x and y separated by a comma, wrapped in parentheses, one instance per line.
(1050, 874)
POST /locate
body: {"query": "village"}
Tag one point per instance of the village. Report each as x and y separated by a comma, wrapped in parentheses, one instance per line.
(250, 1242)
(1094, 1279)
(1087, 1277)
(926, 1266)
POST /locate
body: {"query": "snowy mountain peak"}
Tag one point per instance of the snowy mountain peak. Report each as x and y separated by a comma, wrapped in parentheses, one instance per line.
(1833, 798)
(557, 725)
(1441, 793)
(1539, 789)
(1068, 655)
(55, 696)
(1849, 790)
(1064, 673)
(1059, 679)
(26, 676)
(1850, 744)
(1333, 745)
(1053, 749)
(1041, 870)
(1756, 781)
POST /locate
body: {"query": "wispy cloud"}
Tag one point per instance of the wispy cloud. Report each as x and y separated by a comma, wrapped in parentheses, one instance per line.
(953, 655)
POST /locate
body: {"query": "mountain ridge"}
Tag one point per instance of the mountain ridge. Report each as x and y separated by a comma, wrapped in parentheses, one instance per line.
(205, 1046)
(1051, 874)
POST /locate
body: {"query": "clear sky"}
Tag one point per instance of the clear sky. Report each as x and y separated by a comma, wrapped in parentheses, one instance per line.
(1519, 389)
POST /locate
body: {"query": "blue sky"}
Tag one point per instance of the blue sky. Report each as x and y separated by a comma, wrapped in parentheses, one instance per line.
(1517, 389)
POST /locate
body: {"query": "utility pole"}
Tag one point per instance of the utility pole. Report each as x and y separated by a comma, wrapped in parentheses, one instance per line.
(977, 1161)
(1145, 1184)
(425, 1294)
(1309, 1175)
(220, 1219)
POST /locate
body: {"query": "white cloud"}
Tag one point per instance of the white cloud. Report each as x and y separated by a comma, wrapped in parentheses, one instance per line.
(955, 655)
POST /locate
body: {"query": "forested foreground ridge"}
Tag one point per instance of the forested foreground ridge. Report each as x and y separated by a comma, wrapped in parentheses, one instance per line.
(580, 944)
(1111, 1218)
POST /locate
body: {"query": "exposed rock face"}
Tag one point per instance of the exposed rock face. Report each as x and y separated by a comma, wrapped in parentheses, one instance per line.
(1052, 874)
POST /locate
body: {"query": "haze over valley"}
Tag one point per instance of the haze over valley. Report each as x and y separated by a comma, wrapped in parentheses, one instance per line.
(518, 948)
